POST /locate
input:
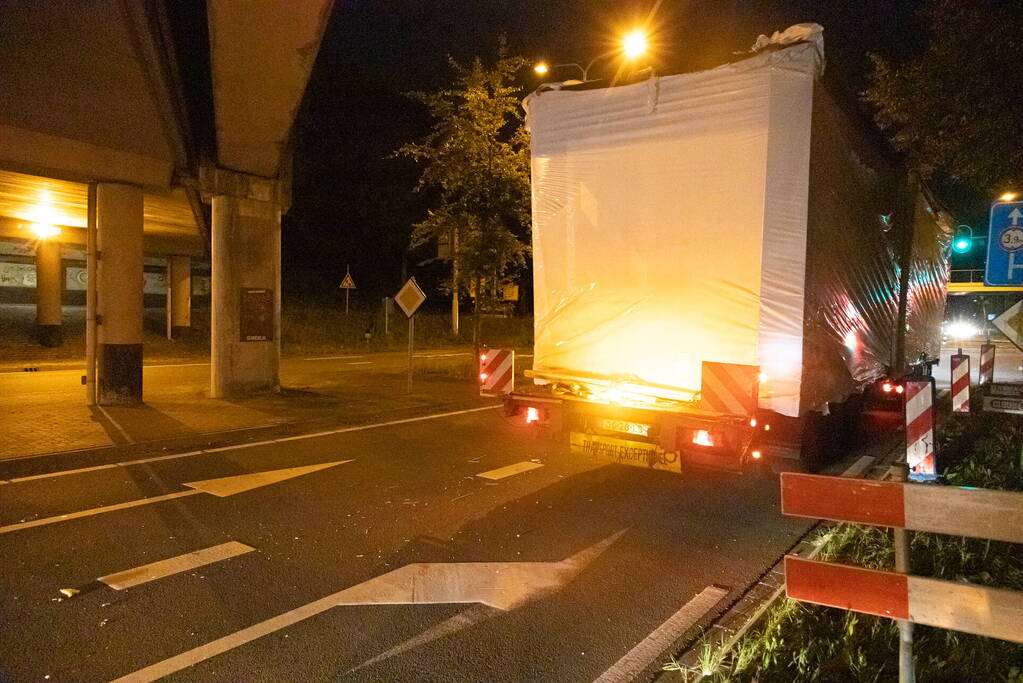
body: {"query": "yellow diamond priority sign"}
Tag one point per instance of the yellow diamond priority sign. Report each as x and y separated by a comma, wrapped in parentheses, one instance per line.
(1010, 324)
(410, 297)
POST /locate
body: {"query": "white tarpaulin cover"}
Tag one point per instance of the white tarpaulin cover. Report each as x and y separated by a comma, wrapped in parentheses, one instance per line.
(669, 224)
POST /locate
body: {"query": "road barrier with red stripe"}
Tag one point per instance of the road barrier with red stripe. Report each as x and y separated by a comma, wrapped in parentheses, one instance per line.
(960, 365)
(497, 372)
(920, 454)
(958, 511)
(987, 364)
(730, 388)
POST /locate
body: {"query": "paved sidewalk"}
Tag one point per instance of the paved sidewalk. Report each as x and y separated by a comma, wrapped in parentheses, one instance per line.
(45, 412)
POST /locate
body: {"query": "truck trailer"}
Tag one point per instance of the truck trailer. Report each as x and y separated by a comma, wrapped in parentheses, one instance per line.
(723, 262)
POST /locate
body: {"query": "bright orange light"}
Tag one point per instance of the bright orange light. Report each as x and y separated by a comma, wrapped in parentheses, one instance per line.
(483, 356)
(767, 428)
(532, 415)
(887, 387)
(753, 422)
(756, 455)
(634, 43)
(899, 389)
(483, 376)
(1008, 196)
(44, 232)
(762, 377)
(541, 68)
(702, 438)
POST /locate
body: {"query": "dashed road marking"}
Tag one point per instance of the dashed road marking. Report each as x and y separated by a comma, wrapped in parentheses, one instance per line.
(174, 565)
(361, 362)
(510, 470)
(331, 358)
(650, 648)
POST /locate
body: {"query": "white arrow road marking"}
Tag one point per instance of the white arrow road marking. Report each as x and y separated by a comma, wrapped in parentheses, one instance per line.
(650, 648)
(502, 585)
(510, 470)
(174, 565)
(225, 486)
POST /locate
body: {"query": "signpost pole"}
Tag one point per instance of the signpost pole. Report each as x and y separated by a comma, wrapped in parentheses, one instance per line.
(411, 340)
(346, 300)
(907, 674)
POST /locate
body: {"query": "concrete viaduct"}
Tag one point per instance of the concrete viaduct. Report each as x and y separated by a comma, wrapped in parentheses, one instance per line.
(160, 128)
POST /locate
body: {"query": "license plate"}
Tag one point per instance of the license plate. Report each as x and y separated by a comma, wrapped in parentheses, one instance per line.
(623, 452)
(635, 428)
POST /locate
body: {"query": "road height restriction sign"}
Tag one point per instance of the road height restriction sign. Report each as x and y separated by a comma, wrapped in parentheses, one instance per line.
(1005, 245)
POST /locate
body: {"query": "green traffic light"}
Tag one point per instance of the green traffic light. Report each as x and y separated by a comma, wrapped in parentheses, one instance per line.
(961, 245)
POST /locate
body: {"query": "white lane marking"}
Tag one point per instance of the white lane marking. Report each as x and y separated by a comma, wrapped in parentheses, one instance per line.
(859, 467)
(650, 648)
(443, 355)
(121, 429)
(251, 444)
(331, 357)
(126, 463)
(224, 486)
(509, 471)
(361, 362)
(503, 585)
(94, 511)
(174, 565)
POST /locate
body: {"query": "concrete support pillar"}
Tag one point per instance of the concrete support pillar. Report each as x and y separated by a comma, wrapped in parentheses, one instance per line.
(179, 295)
(49, 292)
(119, 242)
(246, 301)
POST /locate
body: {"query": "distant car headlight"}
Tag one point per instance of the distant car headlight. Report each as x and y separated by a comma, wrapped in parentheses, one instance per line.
(961, 329)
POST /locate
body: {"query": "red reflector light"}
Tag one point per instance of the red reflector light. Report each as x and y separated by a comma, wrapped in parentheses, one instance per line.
(532, 415)
(483, 356)
(899, 389)
(756, 455)
(887, 387)
(701, 437)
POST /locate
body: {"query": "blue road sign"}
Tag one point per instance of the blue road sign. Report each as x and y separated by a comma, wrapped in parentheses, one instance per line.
(1005, 245)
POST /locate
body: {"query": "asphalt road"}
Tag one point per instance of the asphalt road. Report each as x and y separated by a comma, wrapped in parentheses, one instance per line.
(400, 563)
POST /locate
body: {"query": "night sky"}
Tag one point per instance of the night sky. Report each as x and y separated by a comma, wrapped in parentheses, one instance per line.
(354, 205)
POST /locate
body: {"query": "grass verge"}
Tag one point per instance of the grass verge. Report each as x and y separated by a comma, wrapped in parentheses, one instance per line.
(796, 642)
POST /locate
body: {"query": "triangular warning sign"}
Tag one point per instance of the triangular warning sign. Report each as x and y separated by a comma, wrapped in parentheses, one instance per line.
(348, 282)
(1010, 324)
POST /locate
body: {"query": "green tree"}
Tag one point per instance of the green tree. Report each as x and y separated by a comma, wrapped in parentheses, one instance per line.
(955, 107)
(476, 158)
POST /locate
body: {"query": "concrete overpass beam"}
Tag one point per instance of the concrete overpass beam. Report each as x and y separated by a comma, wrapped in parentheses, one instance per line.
(49, 292)
(246, 301)
(119, 242)
(179, 294)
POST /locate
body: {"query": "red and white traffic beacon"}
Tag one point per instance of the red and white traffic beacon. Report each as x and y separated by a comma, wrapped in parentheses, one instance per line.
(921, 456)
(497, 372)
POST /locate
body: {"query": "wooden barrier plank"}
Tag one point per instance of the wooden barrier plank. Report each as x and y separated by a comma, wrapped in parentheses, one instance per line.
(883, 594)
(842, 499)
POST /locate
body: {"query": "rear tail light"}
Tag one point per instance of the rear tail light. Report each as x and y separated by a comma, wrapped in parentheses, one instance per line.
(887, 387)
(899, 389)
(753, 422)
(756, 455)
(532, 415)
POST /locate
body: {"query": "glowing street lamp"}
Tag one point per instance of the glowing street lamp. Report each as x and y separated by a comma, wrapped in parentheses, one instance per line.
(45, 232)
(1008, 196)
(633, 46)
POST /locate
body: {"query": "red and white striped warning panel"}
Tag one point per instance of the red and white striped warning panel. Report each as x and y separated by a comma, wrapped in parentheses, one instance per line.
(987, 364)
(991, 612)
(952, 510)
(730, 388)
(497, 372)
(960, 382)
(920, 429)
